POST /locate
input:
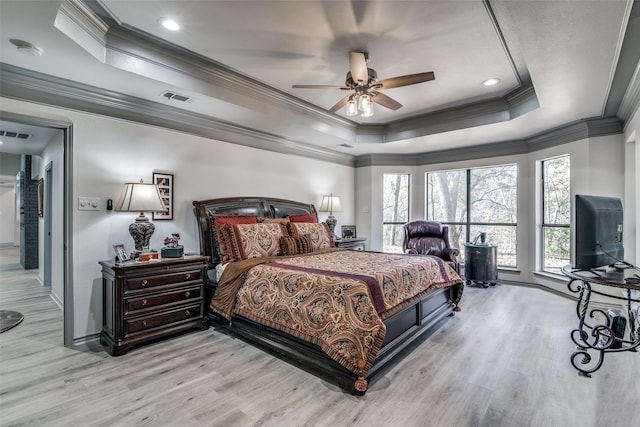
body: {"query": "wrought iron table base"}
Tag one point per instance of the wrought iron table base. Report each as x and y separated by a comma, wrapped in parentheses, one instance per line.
(595, 336)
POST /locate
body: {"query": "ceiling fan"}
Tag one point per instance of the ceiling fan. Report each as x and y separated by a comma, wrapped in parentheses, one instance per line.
(364, 84)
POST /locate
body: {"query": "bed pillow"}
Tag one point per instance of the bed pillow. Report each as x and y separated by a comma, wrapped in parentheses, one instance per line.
(254, 240)
(276, 220)
(303, 217)
(319, 233)
(295, 245)
(218, 223)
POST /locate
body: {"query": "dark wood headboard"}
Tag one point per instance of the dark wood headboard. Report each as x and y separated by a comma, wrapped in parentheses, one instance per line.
(263, 207)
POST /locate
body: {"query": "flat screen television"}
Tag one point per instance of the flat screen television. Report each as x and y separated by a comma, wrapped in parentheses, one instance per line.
(598, 232)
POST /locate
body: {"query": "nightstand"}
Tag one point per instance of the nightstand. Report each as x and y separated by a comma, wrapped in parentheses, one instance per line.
(144, 301)
(356, 243)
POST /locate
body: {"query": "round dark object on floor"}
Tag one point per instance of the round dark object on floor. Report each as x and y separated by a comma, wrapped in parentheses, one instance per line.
(9, 319)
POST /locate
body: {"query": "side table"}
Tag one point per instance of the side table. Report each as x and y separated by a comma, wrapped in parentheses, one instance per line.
(355, 243)
(144, 301)
(481, 263)
(596, 334)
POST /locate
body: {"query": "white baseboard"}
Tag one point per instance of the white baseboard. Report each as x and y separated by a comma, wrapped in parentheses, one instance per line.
(56, 300)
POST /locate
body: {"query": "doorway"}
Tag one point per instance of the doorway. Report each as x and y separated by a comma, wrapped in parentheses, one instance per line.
(55, 256)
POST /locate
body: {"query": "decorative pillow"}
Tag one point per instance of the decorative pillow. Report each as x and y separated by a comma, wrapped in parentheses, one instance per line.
(318, 233)
(218, 222)
(255, 240)
(303, 218)
(275, 220)
(295, 245)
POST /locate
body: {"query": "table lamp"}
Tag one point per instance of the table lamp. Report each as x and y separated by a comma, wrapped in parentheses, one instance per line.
(331, 204)
(140, 197)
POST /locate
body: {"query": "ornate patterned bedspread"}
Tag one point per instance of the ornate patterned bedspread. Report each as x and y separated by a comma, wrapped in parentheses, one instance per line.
(334, 299)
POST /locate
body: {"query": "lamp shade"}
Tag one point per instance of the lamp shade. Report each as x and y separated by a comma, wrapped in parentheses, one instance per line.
(140, 197)
(330, 204)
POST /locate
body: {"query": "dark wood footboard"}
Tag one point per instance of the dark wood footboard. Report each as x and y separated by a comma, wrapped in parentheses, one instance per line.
(403, 328)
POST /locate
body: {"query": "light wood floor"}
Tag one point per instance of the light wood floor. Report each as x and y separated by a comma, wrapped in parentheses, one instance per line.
(502, 361)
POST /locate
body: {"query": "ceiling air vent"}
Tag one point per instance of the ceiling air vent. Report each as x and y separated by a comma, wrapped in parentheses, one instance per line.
(177, 97)
(17, 135)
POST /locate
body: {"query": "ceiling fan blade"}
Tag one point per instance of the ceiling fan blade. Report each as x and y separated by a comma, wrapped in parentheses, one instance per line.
(409, 79)
(320, 87)
(384, 100)
(358, 68)
(340, 104)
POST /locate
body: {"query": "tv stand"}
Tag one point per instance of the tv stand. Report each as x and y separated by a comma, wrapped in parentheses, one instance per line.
(595, 334)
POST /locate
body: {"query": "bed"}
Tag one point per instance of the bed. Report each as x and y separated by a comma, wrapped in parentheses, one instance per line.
(339, 313)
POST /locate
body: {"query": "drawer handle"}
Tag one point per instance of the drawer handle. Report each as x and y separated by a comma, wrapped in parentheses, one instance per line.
(144, 302)
(144, 282)
(188, 276)
(187, 313)
(144, 323)
(187, 294)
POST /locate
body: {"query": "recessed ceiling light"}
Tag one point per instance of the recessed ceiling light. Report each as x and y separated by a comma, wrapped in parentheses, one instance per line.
(169, 24)
(490, 82)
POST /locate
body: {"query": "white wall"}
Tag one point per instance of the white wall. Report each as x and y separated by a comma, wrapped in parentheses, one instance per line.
(632, 186)
(7, 215)
(53, 155)
(109, 152)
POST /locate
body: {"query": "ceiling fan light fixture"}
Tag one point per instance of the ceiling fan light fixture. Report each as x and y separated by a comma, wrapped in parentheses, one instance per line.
(352, 107)
(367, 112)
(364, 101)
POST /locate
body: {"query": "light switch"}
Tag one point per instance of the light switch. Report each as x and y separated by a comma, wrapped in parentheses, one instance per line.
(89, 203)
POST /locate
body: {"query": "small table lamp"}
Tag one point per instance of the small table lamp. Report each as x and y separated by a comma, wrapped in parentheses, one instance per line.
(331, 204)
(140, 197)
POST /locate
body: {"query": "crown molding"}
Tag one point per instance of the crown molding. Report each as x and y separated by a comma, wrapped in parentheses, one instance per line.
(26, 85)
(587, 128)
(83, 26)
(623, 98)
(514, 104)
(631, 101)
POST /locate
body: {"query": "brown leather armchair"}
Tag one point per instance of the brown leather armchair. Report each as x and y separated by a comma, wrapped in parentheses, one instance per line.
(430, 238)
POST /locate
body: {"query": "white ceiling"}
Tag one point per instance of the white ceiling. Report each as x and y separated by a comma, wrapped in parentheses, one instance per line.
(567, 50)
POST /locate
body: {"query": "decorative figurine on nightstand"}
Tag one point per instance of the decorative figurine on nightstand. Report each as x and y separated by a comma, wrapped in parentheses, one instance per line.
(171, 247)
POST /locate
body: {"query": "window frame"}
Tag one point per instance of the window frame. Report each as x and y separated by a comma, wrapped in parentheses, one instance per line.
(468, 224)
(385, 223)
(543, 225)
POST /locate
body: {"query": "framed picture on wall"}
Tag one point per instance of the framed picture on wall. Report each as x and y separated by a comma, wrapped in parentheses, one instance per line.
(41, 197)
(164, 181)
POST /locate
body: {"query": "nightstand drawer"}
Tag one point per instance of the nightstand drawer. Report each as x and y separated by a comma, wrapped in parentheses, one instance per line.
(164, 318)
(141, 303)
(136, 283)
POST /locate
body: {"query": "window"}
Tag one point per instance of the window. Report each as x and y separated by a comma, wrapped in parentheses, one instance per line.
(395, 211)
(471, 201)
(556, 213)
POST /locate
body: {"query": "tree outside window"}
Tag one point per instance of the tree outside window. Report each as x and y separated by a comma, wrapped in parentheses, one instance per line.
(556, 214)
(395, 211)
(477, 200)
